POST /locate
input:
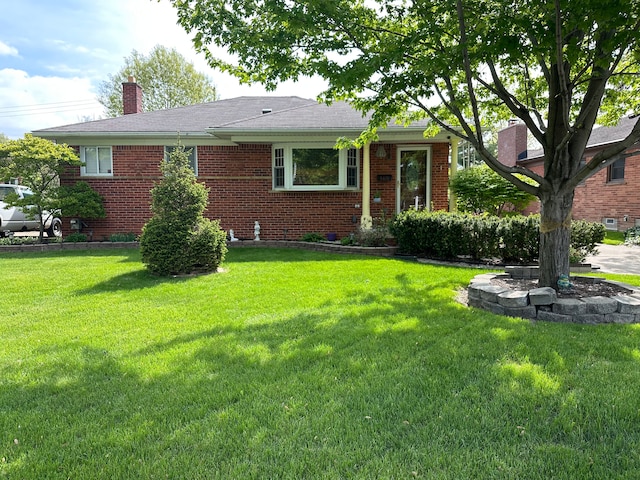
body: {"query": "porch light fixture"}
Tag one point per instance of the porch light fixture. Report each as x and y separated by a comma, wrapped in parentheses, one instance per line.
(381, 152)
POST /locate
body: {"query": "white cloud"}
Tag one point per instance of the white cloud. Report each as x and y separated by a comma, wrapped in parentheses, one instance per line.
(34, 102)
(56, 85)
(8, 50)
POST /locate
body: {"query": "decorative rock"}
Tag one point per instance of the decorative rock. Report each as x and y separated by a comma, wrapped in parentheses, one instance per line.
(591, 318)
(483, 278)
(542, 296)
(474, 291)
(514, 299)
(544, 305)
(601, 305)
(474, 302)
(569, 306)
(522, 312)
(520, 271)
(620, 318)
(628, 304)
(490, 293)
(554, 317)
(492, 307)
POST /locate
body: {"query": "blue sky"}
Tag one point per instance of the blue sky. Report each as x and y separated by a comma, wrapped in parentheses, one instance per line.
(53, 56)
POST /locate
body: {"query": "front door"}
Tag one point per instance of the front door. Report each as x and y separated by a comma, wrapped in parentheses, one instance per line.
(414, 178)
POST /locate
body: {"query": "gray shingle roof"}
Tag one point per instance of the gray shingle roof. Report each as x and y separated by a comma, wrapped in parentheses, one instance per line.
(599, 136)
(193, 118)
(231, 115)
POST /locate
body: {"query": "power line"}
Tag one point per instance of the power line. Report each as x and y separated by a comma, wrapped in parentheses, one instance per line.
(43, 109)
(84, 100)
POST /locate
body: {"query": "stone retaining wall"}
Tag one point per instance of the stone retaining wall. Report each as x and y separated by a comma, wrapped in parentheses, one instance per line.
(317, 246)
(544, 304)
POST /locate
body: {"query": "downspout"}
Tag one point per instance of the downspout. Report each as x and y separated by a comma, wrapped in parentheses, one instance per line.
(453, 142)
(366, 222)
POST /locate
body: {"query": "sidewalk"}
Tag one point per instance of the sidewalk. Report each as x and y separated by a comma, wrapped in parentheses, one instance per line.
(616, 259)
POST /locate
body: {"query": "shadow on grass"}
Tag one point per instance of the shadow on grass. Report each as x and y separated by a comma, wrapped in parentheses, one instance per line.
(376, 383)
(285, 255)
(128, 254)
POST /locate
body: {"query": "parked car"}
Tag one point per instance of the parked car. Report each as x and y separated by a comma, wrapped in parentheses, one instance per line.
(13, 219)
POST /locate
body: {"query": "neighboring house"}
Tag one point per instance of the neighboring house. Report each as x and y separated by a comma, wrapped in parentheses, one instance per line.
(611, 196)
(265, 159)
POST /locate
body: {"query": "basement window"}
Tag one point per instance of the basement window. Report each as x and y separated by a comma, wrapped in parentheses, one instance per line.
(314, 167)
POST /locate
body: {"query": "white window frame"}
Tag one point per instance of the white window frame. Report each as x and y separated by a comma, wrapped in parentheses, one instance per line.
(83, 158)
(287, 150)
(194, 149)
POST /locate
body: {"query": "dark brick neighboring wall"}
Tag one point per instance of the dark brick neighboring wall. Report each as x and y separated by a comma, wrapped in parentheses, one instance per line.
(597, 198)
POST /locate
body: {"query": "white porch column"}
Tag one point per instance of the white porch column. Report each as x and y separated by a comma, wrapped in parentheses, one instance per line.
(366, 221)
(452, 171)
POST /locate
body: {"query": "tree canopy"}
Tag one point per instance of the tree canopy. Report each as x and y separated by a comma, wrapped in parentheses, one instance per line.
(168, 80)
(558, 65)
(481, 190)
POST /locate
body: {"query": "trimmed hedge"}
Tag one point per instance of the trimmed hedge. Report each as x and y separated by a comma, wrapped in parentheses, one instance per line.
(511, 239)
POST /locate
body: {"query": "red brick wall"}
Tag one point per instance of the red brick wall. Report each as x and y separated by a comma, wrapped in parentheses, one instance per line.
(512, 143)
(131, 97)
(387, 188)
(597, 198)
(240, 183)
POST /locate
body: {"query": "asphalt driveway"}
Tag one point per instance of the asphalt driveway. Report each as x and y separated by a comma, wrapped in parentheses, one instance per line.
(617, 259)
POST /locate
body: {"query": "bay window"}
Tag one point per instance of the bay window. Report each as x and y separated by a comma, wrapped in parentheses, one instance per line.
(314, 167)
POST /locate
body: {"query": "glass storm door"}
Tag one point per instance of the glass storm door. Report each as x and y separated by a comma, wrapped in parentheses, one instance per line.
(414, 184)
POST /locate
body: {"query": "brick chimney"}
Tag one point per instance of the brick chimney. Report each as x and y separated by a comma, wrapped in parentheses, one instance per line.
(131, 96)
(512, 143)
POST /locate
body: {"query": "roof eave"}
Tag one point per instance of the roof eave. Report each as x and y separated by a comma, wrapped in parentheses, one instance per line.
(385, 135)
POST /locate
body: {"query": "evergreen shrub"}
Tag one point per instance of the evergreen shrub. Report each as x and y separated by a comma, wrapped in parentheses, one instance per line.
(178, 239)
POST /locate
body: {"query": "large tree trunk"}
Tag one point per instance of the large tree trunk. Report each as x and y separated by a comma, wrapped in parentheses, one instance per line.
(555, 236)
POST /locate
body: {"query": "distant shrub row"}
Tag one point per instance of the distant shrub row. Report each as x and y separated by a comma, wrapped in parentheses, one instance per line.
(632, 236)
(511, 239)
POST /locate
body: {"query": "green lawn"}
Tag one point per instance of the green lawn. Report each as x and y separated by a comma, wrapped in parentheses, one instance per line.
(613, 238)
(296, 364)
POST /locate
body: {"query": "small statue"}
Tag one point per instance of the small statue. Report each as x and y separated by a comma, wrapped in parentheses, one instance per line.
(564, 283)
(256, 230)
(232, 237)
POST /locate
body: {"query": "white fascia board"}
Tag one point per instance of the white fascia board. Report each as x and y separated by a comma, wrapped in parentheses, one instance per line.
(315, 135)
(133, 138)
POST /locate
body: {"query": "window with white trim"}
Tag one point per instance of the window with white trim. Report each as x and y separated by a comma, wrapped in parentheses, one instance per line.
(98, 161)
(191, 151)
(314, 167)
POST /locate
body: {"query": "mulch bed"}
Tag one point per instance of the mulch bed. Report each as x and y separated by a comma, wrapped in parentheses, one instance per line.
(580, 288)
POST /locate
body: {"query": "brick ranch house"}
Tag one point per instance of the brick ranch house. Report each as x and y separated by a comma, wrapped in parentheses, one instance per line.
(611, 196)
(265, 159)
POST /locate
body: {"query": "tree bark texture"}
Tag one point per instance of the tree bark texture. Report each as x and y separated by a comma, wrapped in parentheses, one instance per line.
(555, 237)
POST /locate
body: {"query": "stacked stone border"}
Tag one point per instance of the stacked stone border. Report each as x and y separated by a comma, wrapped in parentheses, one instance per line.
(317, 246)
(543, 303)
